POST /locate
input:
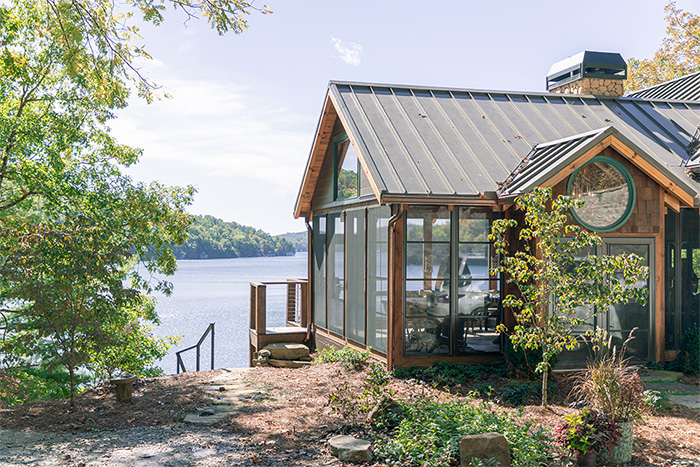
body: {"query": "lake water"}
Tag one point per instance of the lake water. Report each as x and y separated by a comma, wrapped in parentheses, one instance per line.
(218, 291)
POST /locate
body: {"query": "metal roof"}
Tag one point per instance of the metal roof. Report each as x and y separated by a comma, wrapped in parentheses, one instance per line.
(460, 143)
(685, 88)
(548, 159)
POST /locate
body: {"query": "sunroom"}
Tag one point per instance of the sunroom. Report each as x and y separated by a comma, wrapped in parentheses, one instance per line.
(403, 183)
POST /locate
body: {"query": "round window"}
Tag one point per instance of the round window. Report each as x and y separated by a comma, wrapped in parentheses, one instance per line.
(608, 191)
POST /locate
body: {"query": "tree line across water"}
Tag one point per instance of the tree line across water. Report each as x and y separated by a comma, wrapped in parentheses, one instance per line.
(209, 237)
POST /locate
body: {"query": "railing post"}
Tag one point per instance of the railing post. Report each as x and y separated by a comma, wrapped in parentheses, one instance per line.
(260, 310)
(212, 345)
(304, 318)
(198, 357)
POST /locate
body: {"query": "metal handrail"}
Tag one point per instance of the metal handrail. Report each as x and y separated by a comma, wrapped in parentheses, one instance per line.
(181, 364)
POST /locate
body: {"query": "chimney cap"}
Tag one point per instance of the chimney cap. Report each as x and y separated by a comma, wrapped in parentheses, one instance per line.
(587, 64)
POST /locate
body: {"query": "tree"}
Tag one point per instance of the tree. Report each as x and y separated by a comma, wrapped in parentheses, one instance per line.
(82, 244)
(678, 55)
(554, 283)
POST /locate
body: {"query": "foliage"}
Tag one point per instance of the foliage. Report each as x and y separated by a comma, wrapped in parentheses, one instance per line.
(213, 238)
(522, 362)
(300, 240)
(81, 242)
(350, 358)
(451, 374)
(609, 384)
(553, 282)
(588, 430)
(132, 350)
(19, 385)
(655, 401)
(688, 360)
(429, 434)
(347, 184)
(678, 55)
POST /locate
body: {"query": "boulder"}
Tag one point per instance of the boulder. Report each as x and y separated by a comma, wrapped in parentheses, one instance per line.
(386, 408)
(283, 351)
(349, 449)
(484, 446)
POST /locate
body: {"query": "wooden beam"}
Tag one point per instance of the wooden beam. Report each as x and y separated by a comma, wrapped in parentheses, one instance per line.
(318, 152)
(672, 202)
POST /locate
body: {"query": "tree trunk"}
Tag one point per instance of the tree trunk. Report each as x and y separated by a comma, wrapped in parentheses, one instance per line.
(71, 371)
(544, 387)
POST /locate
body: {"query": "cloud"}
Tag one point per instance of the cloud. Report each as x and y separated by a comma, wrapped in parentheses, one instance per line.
(350, 53)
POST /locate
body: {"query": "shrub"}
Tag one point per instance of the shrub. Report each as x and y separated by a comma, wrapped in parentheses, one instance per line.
(430, 432)
(609, 384)
(655, 401)
(349, 357)
(688, 360)
(19, 385)
(522, 363)
(451, 374)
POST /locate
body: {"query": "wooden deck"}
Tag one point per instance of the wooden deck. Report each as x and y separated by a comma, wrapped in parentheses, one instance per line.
(297, 315)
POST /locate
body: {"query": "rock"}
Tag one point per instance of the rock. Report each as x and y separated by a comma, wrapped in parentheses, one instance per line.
(349, 449)
(288, 363)
(386, 406)
(484, 446)
(282, 351)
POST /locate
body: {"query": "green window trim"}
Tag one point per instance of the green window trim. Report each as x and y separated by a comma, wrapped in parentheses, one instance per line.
(617, 165)
(337, 141)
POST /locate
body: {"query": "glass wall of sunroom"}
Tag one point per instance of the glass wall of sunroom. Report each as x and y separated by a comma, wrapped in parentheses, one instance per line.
(350, 274)
(451, 301)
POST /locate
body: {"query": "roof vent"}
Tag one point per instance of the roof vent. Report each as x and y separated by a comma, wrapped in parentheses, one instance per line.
(597, 73)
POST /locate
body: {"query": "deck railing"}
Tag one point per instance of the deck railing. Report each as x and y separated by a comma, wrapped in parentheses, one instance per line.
(296, 309)
(181, 364)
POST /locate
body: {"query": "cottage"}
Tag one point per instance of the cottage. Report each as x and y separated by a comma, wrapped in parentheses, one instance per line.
(403, 183)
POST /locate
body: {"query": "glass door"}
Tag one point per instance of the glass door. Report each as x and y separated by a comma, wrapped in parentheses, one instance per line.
(620, 319)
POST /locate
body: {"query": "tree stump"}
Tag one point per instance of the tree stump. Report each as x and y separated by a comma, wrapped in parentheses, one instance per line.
(124, 388)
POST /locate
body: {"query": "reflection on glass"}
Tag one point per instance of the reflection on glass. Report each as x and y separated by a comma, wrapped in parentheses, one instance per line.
(606, 193)
(336, 273)
(319, 271)
(355, 283)
(428, 224)
(348, 181)
(429, 260)
(377, 278)
(474, 224)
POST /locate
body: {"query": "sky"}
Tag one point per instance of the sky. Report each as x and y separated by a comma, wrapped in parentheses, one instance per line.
(243, 111)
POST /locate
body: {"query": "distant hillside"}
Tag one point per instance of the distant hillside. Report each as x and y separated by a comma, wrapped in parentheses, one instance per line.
(300, 240)
(211, 238)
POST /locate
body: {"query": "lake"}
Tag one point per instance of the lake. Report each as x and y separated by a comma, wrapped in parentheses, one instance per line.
(218, 291)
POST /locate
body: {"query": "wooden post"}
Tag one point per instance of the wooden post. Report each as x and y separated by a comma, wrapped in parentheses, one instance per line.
(304, 304)
(260, 310)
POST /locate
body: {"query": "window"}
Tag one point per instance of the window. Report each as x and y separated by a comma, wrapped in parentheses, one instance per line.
(608, 191)
(346, 168)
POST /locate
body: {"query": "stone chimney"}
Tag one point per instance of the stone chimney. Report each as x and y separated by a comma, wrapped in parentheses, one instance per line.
(593, 73)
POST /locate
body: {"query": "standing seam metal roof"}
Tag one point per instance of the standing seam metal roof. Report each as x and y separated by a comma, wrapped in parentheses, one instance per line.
(445, 142)
(685, 88)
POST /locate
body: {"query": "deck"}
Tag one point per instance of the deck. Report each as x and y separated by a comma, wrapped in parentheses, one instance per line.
(297, 315)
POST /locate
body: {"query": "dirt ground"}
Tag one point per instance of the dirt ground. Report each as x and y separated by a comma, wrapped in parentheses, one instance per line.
(291, 421)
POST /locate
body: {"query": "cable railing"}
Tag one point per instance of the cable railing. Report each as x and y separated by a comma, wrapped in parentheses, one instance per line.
(181, 364)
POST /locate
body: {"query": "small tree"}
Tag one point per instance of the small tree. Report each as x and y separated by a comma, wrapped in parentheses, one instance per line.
(554, 286)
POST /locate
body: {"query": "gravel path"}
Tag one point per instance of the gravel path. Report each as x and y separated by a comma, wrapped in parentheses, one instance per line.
(181, 445)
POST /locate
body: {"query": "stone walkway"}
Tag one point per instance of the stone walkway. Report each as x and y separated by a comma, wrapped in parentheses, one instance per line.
(229, 392)
(668, 384)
